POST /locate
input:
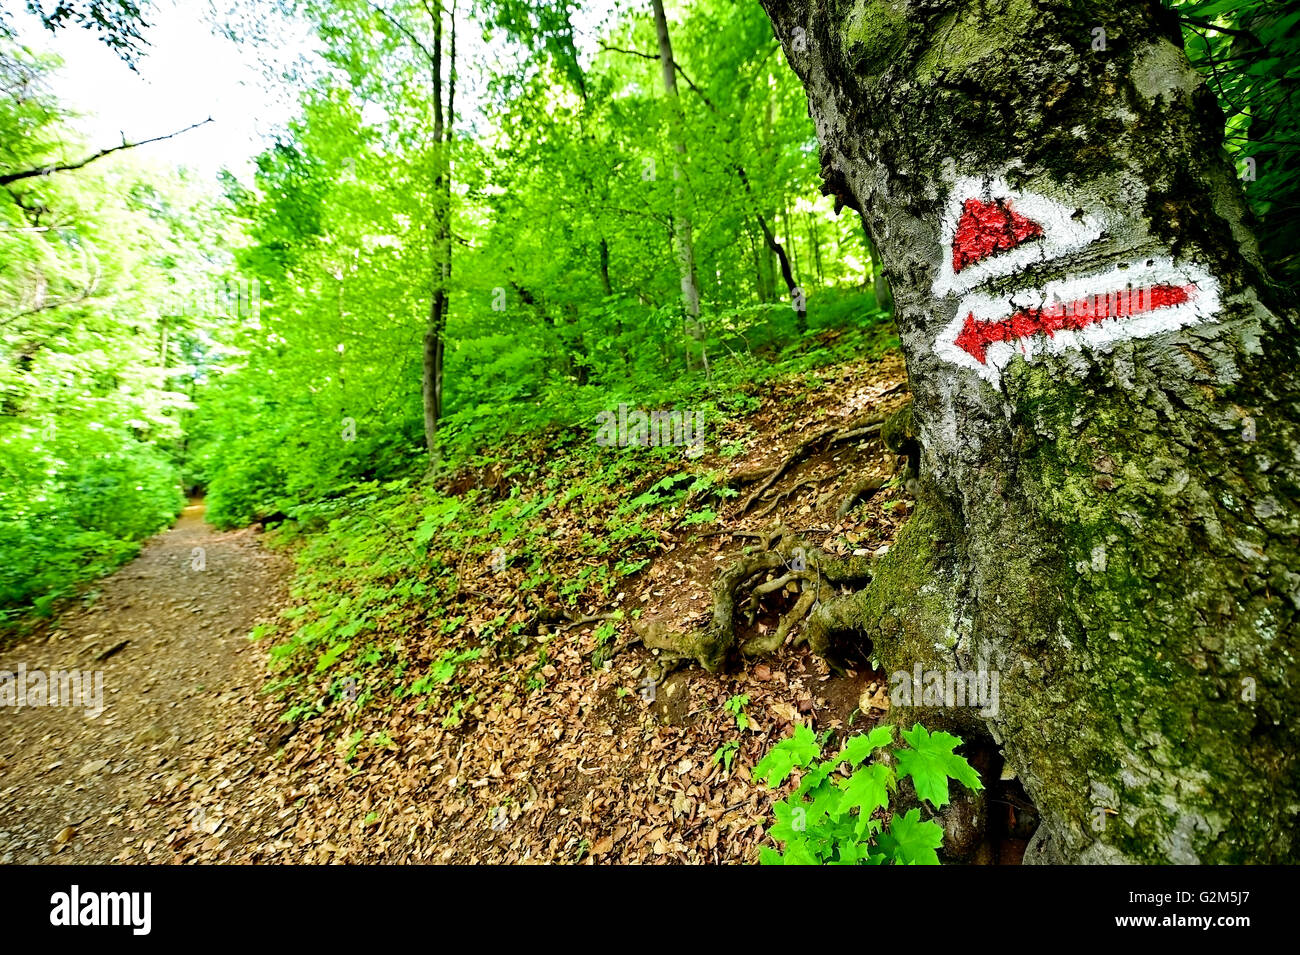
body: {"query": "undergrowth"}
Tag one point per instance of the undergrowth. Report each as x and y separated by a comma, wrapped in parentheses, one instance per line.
(402, 583)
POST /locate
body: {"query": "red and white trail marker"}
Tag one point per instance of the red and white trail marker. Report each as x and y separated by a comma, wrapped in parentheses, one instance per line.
(1133, 300)
(991, 231)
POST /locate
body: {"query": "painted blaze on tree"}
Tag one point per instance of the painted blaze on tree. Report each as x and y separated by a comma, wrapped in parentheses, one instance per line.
(1089, 309)
(1105, 394)
(986, 229)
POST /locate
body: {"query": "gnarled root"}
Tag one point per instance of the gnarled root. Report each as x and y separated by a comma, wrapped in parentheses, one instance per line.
(739, 592)
(839, 615)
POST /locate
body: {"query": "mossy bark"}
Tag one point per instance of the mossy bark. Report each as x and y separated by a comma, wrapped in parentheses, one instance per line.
(1115, 529)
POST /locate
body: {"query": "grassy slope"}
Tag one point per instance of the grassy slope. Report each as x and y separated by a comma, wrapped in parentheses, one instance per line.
(442, 693)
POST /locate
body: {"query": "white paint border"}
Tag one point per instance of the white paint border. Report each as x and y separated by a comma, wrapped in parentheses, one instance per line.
(1062, 232)
(1141, 273)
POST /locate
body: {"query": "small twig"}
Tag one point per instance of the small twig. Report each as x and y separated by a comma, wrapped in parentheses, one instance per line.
(111, 651)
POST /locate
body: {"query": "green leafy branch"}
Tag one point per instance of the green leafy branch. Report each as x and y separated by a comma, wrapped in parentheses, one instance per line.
(837, 816)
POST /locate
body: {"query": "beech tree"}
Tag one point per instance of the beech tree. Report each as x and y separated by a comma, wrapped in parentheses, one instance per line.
(1105, 400)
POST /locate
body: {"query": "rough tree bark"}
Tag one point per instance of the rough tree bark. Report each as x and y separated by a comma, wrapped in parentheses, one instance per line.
(1111, 522)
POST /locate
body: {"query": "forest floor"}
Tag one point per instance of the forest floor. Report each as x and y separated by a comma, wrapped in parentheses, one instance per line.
(556, 760)
(169, 632)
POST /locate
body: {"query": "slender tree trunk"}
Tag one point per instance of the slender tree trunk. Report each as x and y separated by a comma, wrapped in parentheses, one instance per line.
(814, 244)
(603, 247)
(448, 135)
(682, 237)
(1106, 398)
(758, 268)
(605, 284)
(784, 219)
(879, 282)
(797, 300)
(440, 265)
(769, 273)
(431, 376)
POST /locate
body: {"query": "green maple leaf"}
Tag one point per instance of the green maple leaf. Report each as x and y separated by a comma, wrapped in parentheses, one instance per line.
(868, 789)
(813, 778)
(931, 761)
(823, 803)
(852, 853)
(912, 842)
(860, 747)
(799, 852)
(799, 750)
(788, 817)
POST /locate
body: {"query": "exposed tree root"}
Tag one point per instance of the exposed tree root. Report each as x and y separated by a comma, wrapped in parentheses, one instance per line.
(738, 594)
(784, 562)
(827, 438)
(748, 476)
(863, 490)
(839, 615)
(780, 498)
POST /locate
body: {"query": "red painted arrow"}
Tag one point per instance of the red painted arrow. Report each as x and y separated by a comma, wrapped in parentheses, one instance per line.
(977, 335)
(986, 229)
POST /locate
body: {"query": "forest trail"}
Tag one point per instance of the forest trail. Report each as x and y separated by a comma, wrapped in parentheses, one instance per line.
(554, 762)
(169, 631)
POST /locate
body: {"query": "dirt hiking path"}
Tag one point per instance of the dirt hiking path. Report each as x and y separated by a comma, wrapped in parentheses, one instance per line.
(553, 760)
(169, 631)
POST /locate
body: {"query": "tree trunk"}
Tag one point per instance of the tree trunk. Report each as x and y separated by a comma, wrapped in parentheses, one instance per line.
(814, 245)
(440, 265)
(682, 237)
(769, 273)
(605, 285)
(759, 290)
(798, 301)
(784, 212)
(879, 283)
(1106, 400)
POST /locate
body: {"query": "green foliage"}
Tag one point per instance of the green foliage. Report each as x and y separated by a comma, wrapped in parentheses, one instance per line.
(843, 816)
(293, 396)
(735, 705)
(931, 762)
(118, 23)
(86, 522)
(726, 753)
(1248, 52)
(442, 672)
(562, 304)
(99, 342)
